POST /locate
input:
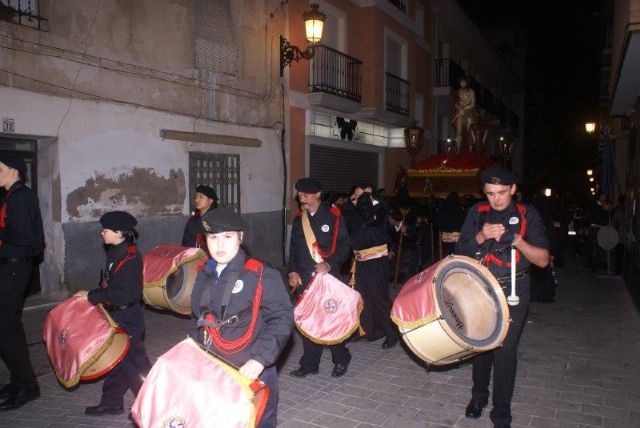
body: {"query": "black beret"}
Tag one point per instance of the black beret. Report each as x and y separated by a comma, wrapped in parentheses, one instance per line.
(223, 220)
(118, 220)
(209, 192)
(496, 175)
(13, 160)
(308, 185)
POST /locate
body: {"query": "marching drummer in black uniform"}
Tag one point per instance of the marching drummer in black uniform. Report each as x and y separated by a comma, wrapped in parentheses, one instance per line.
(323, 249)
(241, 309)
(204, 199)
(120, 292)
(489, 232)
(21, 239)
(370, 240)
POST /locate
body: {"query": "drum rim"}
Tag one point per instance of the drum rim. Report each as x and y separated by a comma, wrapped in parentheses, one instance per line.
(497, 296)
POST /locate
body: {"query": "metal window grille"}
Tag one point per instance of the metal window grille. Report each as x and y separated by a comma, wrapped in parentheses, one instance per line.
(22, 12)
(221, 172)
(215, 49)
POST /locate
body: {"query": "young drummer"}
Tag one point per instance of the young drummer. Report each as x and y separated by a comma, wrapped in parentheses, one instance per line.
(241, 309)
(120, 292)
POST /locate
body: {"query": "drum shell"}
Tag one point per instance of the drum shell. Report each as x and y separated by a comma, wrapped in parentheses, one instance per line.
(160, 266)
(192, 387)
(428, 331)
(83, 342)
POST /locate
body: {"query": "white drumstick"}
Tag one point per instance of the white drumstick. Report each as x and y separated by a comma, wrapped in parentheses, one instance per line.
(513, 299)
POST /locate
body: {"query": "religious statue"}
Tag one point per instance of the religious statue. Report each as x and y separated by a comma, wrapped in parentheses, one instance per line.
(464, 114)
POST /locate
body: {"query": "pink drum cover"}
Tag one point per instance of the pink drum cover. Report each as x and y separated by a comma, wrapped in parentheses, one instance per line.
(189, 388)
(164, 260)
(415, 304)
(329, 310)
(76, 333)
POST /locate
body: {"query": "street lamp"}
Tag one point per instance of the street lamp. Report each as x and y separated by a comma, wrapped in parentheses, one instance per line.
(313, 25)
(589, 172)
(590, 127)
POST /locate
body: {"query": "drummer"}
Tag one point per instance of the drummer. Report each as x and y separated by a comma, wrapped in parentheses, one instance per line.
(224, 299)
(204, 199)
(490, 229)
(120, 292)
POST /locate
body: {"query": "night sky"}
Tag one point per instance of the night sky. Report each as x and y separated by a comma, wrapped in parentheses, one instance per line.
(563, 50)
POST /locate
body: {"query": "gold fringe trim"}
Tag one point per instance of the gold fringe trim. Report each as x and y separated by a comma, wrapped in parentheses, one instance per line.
(335, 341)
(413, 324)
(96, 355)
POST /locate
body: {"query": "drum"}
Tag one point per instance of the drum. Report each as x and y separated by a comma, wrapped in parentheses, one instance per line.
(328, 312)
(169, 273)
(83, 342)
(451, 311)
(190, 387)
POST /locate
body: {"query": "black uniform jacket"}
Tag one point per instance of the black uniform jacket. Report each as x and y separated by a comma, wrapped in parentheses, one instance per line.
(275, 318)
(194, 233)
(534, 234)
(22, 234)
(121, 285)
(323, 224)
(370, 226)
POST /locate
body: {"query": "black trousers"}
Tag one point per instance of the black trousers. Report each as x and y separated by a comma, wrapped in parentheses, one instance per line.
(313, 352)
(504, 362)
(14, 279)
(372, 283)
(270, 378)
(134, 367)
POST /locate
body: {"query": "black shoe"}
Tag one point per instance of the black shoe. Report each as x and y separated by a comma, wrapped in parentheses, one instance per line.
(341, 368)
(101, 409)
(389, 342)
(19, 398)
(474, 409)
(303, 372)
(6, 391)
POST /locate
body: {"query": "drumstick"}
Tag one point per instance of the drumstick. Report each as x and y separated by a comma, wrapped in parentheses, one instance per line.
(513, 299)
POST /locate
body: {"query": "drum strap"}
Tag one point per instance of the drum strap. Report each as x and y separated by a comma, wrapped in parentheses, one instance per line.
(3, 212)
(212, 326)
(316, 252)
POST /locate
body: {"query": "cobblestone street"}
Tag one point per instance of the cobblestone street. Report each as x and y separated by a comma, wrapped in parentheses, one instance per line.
(578, 367)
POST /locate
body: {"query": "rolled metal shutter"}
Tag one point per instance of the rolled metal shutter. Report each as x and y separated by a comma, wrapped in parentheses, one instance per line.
(339, 169)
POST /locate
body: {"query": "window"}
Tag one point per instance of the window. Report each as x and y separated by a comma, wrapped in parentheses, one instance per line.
(22, 12)
(215, 50)
(220, 171)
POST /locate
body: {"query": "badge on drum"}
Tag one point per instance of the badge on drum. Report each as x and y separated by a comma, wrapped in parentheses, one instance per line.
(174, 422)
(325, 228)
(63, 337)
(238, 286)
(514, 220)
(330, 306)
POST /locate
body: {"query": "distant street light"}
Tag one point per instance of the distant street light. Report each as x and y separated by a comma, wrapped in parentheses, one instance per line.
(591, 179)
(590, 127)
(589, 172)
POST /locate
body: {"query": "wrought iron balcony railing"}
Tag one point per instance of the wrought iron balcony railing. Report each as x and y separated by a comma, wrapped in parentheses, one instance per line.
(22, 12)
(448, 73)
(400, 4)
(336, 73)
(397, 92)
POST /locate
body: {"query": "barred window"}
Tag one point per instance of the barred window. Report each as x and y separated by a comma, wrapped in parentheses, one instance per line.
(215, 50)
(22, 12)
(219, 171)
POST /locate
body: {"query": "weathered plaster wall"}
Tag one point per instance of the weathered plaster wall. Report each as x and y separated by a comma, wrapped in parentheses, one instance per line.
(110, 156)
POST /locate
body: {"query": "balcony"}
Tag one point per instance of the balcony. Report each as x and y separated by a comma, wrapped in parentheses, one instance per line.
(400, 4)
(447, 73)
(336, 73)
(397, 94)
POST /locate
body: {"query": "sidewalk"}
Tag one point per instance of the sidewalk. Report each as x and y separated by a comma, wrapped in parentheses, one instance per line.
(578, 367)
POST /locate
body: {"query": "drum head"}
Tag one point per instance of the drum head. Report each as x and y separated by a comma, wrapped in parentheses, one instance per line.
(469, 303)
(174, 282)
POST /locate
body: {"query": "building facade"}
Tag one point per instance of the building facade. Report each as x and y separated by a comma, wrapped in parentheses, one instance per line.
(369, 79)
(129, 105)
